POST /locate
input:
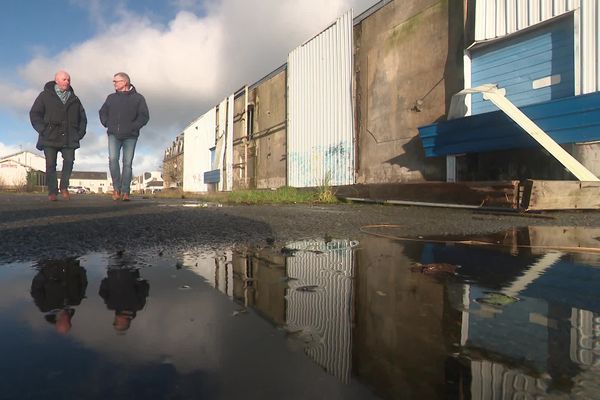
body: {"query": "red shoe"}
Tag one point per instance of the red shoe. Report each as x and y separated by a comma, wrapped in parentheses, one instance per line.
(125, 197)
(52, 197)
(65, 194)
(116, 195)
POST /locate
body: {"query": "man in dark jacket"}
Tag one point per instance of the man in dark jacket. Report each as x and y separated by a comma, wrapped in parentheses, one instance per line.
(56, 288)
(123, 113)
(59, 118)
(125, 292)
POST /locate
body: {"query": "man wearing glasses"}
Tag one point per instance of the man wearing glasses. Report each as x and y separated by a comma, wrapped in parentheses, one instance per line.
(123, 113)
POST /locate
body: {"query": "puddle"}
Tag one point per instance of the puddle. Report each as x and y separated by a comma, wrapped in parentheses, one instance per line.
(512, 315)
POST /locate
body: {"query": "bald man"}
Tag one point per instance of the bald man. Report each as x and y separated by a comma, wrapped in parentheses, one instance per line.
(59, 118)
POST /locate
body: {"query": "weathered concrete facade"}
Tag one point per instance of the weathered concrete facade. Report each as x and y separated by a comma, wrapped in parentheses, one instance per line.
(173, 164)
(408, 64)
(260, 134)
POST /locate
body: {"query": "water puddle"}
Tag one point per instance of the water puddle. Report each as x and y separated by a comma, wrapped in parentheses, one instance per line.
(512, 315)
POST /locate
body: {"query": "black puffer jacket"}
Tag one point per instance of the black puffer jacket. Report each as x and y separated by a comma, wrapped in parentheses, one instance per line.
(124, 113)
(59, 125)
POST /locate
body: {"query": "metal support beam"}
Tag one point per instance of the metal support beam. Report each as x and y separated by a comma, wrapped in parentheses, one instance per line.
(492, 93)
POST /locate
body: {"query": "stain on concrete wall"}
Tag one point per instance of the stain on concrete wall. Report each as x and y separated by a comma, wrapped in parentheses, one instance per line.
(408, 64)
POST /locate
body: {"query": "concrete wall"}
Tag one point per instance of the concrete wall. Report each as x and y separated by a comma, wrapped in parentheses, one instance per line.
(269, 132)
(408, 64)
(260, 160)
(241, 180)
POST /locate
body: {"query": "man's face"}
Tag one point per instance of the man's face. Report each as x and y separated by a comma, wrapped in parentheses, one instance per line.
(120, 84)
(63, 81)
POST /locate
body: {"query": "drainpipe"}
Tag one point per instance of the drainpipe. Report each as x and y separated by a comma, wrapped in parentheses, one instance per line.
(246, 138)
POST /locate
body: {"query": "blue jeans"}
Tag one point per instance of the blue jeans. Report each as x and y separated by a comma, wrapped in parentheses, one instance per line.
(68, 156)
(121, 180)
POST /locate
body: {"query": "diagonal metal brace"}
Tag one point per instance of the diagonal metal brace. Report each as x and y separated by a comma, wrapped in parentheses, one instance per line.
(497, 96)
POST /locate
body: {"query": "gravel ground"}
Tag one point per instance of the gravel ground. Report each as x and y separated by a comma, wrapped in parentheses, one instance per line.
(31, 227)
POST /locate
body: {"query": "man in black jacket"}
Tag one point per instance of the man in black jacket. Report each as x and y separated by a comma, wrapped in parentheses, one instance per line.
(59, 118)
(123, 113)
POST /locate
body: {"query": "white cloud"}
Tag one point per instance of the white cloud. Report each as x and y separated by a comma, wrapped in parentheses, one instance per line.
(182, 68)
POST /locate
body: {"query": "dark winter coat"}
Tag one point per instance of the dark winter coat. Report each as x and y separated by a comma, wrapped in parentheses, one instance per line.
(124, 290)
(58, 125)
(124, 114)
(59, 284)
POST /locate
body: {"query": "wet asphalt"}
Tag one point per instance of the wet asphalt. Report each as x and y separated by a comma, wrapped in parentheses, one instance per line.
(32, 227)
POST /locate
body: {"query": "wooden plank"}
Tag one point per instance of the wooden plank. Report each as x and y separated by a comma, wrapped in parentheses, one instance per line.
(560, 195)
(489, 194)
(565, 239)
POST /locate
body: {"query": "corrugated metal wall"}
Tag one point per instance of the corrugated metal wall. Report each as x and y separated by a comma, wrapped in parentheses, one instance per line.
(199, 137)
(320, 118)
(325, 313)
(229, 146)
(219, 161)
(497, 18)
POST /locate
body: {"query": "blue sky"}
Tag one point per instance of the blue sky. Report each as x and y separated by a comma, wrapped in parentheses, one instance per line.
(184, 56)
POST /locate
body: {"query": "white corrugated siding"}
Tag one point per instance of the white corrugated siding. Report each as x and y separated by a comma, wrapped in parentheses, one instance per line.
(497, 18)
(229, 147)
(199, 138)
(325, 314)
(492, 380)
(219, 161)
(320, 119)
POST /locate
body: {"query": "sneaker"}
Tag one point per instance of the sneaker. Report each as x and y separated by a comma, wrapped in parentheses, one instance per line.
(116, 195)
(125, 197)
(52, 197)
(65, 194)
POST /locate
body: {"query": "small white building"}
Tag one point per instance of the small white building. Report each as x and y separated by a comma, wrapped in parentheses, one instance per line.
(148, 182)
(95, 182)
(14, 168)
(13, 174)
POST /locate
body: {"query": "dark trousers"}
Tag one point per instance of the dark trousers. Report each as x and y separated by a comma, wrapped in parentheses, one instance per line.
(68, 156)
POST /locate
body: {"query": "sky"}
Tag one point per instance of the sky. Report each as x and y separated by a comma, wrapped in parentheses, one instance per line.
(184, 56)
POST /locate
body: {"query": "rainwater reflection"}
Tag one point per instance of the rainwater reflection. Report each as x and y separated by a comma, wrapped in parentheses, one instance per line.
(508, 316)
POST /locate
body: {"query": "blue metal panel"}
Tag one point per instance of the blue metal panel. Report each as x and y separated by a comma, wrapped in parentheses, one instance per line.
(514, 65)
(213, 176)
(567, 120)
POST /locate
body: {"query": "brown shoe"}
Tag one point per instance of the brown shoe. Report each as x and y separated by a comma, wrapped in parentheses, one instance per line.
(125, 197)
(116, 195)
(65, 194)
(52, 197)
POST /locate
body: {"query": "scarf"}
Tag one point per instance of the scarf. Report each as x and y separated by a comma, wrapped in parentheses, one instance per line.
(63, 96)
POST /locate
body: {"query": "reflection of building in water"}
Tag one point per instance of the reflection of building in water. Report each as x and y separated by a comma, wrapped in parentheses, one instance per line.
(492, 380)
(585, 337)
(404, 324)
(319, 303)
(309, 292)
(534, 328)
(215, 268)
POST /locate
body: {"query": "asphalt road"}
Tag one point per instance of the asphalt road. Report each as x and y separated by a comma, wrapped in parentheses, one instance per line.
(31, 227)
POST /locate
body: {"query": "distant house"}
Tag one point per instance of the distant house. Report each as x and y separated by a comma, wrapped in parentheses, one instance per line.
(96, 182)
(148, 182)
(28, 159)
(173, 163)
(15, 167)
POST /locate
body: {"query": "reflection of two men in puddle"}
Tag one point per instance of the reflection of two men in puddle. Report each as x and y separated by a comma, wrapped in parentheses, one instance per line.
(60, 285)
